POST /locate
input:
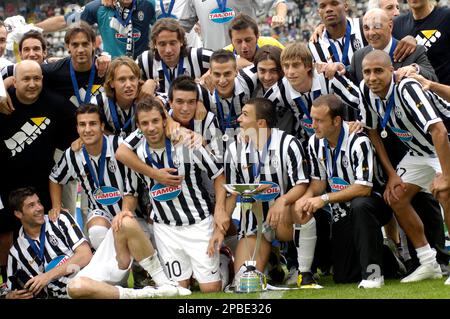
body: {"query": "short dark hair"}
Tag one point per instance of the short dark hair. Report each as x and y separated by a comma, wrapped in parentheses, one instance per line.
(89, 108)
(241, 22)
(264, 110)
(148, 104)
(33, 34)
(333, 102)
(79, 27)
(269, 52)
(183, 83)
(222, 56)
(18, 196)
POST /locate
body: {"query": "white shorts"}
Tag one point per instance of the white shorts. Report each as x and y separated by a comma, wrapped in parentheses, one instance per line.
(183, 250)
(418, 170)
(103, 266)
(92, 213)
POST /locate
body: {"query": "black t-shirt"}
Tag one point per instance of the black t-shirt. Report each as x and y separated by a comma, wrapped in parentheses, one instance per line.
(57, 77)
(29, 137)
(434, 33)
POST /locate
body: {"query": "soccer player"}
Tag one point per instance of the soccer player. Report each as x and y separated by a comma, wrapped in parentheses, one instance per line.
(265, 154)
(118, 102)
(301, 85)
(32, 46)
(344, 162)
(170, 57)
(109, 186)
(231, 90)
(415, 117)
(42, 243)
(182, 215)
(75, 77)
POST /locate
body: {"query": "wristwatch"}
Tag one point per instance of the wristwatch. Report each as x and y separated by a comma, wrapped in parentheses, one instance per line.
(325, 198)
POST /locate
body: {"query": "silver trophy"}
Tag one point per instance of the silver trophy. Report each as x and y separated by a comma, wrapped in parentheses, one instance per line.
(249, 279)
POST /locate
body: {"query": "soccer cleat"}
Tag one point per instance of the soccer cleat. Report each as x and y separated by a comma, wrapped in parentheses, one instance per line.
(427, 271)
(306, 280)
(292, 277)
(372, 283)
(447, 282)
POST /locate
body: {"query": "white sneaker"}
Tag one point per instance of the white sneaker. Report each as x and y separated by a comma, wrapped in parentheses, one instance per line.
(171, 289)
(427, 271)
(372, 283)
(447, 282)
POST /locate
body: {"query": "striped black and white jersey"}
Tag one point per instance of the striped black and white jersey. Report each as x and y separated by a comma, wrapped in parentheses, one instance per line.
(413, 111)
(72, 166)
(193, 204)
(284, 96)
(111, 110)
(284, 164)
(322, 50)
(228, 110)
(61, 239)
(355, 164)
(8, 71)
(209, 129)
(195, 64)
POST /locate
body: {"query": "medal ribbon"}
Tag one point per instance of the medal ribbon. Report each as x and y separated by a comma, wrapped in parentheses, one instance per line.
(38, 250)
(101, 166)
(76, 89)
(337, 151)
(151, 161)
(180, 69)
(115, 117)
(345, 60)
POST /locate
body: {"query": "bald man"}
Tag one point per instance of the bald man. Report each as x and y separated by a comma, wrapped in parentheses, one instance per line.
(415, 117)
(29, 137)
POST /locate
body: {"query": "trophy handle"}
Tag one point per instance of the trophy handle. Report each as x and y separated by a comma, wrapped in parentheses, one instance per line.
(258, 211)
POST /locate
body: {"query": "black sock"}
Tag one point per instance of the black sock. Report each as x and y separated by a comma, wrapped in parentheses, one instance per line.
(3, 271)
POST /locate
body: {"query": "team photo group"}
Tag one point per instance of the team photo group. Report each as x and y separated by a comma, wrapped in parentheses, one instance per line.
(177, 148)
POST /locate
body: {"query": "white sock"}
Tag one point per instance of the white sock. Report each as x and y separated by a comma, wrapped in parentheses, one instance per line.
(305, 239)
(96, 235)
(153, 266)
(426, 255)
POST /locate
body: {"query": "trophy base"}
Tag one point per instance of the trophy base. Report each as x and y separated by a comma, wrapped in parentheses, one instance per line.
(250, 279)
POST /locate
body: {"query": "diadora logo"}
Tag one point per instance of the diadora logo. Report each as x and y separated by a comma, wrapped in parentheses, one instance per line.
(28, 133)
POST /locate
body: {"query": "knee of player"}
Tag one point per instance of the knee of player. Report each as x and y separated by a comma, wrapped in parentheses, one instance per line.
(211, 287)
(129, 224)
(96, 235)
(77, 287)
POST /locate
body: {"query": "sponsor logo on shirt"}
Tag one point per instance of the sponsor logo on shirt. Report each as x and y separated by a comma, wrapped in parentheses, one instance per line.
(428, 37)
(27, 134)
